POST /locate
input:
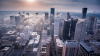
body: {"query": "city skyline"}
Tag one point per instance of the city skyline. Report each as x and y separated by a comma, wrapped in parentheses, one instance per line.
(45, 5)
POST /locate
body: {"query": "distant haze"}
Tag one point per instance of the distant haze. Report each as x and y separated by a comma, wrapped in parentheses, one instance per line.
(45, 5)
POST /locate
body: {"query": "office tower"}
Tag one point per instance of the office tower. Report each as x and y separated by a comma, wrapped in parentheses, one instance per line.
(61, 28)
(84, 11)
(26, 33)
(90, 26)
(12, 20)
(46, 15)
(56, 25)
(89, 48)
(66, 30)
(70, 48)
(52, 30)
(27, 14)
(97, 31)
(72, 28)
(17, 20)
(68, 16)
(80, 30)
(53, 11)
(48, 30)
(21, 19)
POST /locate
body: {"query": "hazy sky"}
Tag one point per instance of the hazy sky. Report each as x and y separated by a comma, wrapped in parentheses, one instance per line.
(45, 5)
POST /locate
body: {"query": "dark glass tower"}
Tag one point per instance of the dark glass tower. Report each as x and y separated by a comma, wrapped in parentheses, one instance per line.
(52, 16)
(72, 28)
(52, 11)
(84, 11)
(66, 29)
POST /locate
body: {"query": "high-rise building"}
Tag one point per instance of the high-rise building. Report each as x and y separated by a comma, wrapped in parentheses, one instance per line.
(72, 28)
(48, 30)
(66, 29)
(17, 20)
(70, 48)
(53, 11)
(56, 25)
(46, 16)
(90, 26)
(52, 16)
(80, 30)
(21, 19)
(26, 33)
(69, 29)
(84, 11)
(68, 16)
(12, 20)
(61, 28)
(52, 30)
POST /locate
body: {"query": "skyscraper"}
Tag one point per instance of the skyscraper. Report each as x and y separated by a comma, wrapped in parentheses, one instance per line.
(72, 28)
(46, 15)
(17, 20)
(53, 11)
(56, 25)
(80, 30)
(68, 16)
(69, 29)
(91, 21)
(84, 11)
(66, 30)
(12, 20)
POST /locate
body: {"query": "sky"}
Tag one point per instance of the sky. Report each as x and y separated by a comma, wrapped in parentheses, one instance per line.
(45, 5)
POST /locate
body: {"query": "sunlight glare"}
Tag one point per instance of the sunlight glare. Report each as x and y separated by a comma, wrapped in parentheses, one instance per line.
(30, 0)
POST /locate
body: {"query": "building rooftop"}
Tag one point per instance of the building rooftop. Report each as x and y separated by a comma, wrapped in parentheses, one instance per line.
(71, 43)
(34, 33)
(31, 42)
(35, 49)
(45, 39)
(59, 43)
(7, 43)
(10, 32)
(4, 49)
(86, 46)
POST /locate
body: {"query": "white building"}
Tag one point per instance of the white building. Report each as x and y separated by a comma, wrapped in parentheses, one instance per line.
(56, 26)
(26, 33)
(80, 30)
(34, 34)
(12, 20)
